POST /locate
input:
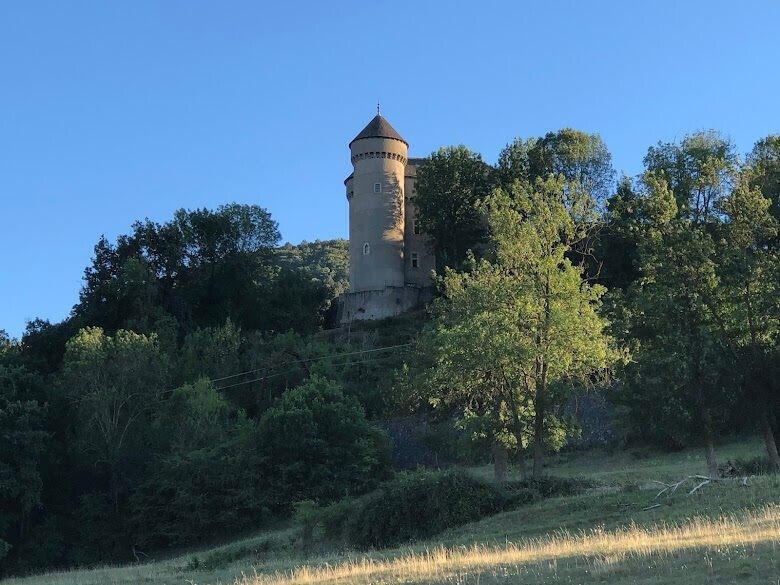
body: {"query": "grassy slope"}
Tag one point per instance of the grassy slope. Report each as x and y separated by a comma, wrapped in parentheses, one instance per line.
(740, 550)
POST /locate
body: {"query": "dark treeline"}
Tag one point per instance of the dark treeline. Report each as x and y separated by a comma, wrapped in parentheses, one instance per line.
(198, 387)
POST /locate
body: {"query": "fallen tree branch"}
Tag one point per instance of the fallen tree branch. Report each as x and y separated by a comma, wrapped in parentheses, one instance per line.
(702, 480)
(703, 483)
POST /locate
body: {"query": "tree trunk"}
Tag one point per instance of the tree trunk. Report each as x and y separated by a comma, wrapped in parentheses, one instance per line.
(499, 461)
(769, 440)
(521, 461)
(709, 453)
(712, 464)
(538, 442)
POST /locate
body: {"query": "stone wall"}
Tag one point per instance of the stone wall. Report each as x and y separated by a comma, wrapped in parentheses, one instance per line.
(380, 304)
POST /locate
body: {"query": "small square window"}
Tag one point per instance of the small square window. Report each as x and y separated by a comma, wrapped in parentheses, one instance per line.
(417, 228)
(377, 187)
(415, 260)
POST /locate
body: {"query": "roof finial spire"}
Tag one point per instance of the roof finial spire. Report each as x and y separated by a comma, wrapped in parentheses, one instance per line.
(377, 108)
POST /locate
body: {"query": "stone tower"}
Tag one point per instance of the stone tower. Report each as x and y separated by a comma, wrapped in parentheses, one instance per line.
(376, 211)
(390, 260)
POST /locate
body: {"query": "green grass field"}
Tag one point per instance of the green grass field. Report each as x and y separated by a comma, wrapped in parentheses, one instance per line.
(725, 532)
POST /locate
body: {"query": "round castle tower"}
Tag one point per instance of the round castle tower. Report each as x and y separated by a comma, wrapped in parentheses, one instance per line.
(375, 192)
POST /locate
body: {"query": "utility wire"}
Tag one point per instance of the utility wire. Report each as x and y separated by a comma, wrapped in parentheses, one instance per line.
(369, 361)
(302, 361)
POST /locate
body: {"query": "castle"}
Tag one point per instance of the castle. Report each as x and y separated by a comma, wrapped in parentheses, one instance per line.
(390, 259)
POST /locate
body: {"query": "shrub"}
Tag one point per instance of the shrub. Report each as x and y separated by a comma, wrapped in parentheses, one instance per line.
(211, 491)
(753, 466)
(207, 481)
(413, 505)
(318, 445)
(420, 504)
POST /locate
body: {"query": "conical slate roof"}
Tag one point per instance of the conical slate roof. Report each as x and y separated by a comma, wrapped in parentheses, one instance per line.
(379, 128)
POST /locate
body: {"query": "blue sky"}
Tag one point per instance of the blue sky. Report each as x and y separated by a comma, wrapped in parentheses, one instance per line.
(117, 111)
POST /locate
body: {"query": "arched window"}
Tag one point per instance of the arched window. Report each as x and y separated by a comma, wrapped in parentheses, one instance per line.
(366, 249)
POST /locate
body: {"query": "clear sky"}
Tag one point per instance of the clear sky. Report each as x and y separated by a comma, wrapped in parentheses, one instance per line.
(112, 111)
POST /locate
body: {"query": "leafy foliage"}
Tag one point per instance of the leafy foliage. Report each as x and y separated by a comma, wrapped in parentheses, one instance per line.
(198, 269)
(512, 337)
(698, 317)
(207, 479)
(22, 440)
(576, 156)
(412, 506)
(318, 444)
(324, 261)
(420, 504)
(450, 185)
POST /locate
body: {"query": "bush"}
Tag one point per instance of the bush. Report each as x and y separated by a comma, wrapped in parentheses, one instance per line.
(753, 466)
(318, 445)
(421, 504)
(209, 479)
(414, 505)
(210, 491)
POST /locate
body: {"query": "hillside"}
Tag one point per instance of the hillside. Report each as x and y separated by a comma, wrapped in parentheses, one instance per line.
(617, 531)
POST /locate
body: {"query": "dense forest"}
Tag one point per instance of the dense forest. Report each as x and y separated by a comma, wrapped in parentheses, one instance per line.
(200, 387)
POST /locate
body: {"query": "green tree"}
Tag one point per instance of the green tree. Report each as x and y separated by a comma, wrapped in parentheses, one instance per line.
(763, 170)
(512, 337)
(681, 359)
(115, 383)
(210, 352)
(22, 440)
(585, 164)
(318, 445)
(450, 185)
(616, 248)
(205, 477)
(699, 171)
(324, 261)
(579, 157)
(749, 269)
(201, 267)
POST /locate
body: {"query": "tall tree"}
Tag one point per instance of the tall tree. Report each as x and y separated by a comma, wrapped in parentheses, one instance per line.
(616, 248)
(763, 173)
(699, 171)
(514, 336)
(681, 360)
(585, 164)
(115, 383)
(22, 440)
(749, 269)
(450, 185)
(579, 157)
(199, 268)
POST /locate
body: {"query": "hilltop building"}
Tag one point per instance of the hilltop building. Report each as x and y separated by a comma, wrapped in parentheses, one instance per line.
(390, 260)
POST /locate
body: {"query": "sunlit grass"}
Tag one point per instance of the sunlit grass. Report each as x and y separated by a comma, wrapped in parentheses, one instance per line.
(602, 548)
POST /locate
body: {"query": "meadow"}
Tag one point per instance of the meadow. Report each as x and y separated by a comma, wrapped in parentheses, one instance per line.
(618, 532)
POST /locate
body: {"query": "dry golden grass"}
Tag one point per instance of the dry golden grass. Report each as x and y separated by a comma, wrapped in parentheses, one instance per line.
(599, 547)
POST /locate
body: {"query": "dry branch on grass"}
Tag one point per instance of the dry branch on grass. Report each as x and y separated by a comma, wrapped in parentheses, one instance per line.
(699, 480)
